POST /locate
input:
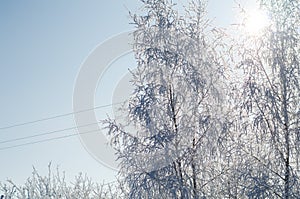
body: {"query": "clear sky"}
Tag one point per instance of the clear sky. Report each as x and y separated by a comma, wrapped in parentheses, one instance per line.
(42, 46)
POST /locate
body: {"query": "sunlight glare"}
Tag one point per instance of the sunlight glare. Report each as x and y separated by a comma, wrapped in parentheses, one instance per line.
(256, 21)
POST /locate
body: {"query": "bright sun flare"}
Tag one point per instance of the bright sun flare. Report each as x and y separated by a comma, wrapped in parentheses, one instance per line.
(256, 21)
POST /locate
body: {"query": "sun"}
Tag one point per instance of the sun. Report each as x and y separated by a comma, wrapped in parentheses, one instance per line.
(256, 21)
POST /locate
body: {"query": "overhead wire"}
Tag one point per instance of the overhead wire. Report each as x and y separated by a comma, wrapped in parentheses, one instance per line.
(51, 132)
(57, 116)
(47, 140)
(47, 133)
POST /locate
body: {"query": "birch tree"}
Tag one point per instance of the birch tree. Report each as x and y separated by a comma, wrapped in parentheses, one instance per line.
(270, 109)
(176, 108)
(55, 186)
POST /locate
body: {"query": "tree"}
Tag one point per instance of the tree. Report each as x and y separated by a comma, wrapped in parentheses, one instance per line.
(177, 108)
(270, 109)
(54, 186)
(200, 133)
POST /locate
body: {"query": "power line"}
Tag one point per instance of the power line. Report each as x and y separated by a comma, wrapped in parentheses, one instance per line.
(47, 140)
(57, 116)
(47, 133)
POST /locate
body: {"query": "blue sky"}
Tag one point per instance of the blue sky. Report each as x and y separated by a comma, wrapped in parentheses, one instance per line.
(43, 44)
